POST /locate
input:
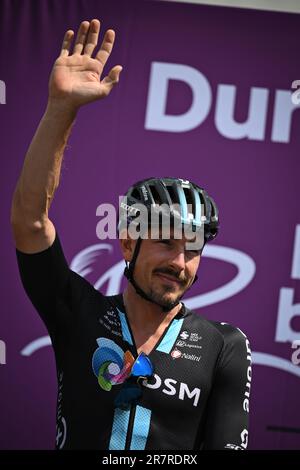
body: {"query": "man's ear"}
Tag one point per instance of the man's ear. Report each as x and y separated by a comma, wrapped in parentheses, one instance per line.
(127, 247)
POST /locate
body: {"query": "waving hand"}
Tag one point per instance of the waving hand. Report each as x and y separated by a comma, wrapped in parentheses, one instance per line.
(76, 77)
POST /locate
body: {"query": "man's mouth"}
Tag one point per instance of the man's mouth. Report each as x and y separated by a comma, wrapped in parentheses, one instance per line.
(169, 279)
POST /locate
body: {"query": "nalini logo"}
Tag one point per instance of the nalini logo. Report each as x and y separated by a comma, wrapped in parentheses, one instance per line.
(110, 364)
(176, 354)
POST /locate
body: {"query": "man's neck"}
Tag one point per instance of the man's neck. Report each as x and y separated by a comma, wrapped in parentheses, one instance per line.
(144, 315)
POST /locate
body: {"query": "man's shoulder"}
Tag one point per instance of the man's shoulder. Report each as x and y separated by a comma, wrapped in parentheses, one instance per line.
(226, 332)
(90, 292)
(229, 331)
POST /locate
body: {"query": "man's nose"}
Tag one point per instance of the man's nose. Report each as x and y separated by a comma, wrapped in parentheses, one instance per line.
(178, 261)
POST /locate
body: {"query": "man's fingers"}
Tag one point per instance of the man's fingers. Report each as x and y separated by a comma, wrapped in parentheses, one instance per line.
(112, 78)
(81, 37)
(92, 38)
(114, 73)
(106, 47)
(66, 45)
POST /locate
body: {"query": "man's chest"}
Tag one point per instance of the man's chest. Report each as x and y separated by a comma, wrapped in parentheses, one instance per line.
(182, 355)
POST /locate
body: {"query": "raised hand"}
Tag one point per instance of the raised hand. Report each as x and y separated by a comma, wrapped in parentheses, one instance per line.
(76, 78)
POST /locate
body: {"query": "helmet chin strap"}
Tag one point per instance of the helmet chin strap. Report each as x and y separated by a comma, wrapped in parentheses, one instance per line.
(128, 273)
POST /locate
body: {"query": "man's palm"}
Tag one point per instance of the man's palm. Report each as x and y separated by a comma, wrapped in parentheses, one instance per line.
(77, 78)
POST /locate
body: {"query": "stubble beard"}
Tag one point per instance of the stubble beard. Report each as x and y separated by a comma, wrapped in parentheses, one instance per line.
(163, 299)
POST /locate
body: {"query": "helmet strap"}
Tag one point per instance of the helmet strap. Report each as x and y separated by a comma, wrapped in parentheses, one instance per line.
(128, 273)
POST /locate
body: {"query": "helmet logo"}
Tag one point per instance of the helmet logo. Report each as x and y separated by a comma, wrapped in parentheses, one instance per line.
(184, 181)
(145, 193)
(131, 209)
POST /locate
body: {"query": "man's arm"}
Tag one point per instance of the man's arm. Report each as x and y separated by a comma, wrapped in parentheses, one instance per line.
(228, 405)
(75, 80)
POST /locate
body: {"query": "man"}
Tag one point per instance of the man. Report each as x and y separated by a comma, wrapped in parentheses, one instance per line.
(138, 370)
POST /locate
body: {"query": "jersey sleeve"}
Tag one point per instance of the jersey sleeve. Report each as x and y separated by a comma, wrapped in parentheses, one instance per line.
(228, 405)
(52, 287)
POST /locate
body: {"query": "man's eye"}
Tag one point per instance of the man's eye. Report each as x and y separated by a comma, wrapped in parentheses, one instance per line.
(165, 242)
(193, 252)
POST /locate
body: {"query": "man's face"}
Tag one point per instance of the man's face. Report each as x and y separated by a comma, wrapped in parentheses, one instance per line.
(165, 269)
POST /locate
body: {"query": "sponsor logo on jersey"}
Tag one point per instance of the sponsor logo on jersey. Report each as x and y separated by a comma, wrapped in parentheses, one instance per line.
(184, 335)
(249, 377)
(172, 387)
(184, 344)
(193, 337)
(61, 424)
(188, 341)
(176, 354)
(233, 447)
(111, 322)
(191, 357)
(244, 439)
(110, 364)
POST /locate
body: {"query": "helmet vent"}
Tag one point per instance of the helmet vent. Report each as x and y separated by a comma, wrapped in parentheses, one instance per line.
(136, 194)
(155, 194)
(173, 195)
(190, 201)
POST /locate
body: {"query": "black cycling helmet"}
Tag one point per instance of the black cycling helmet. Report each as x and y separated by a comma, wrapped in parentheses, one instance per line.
(187, 202)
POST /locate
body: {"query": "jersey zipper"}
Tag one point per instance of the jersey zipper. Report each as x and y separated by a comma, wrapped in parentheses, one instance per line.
(130, 427)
